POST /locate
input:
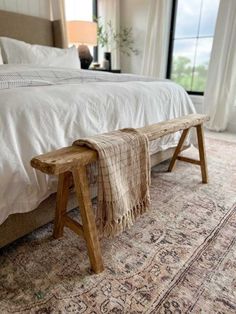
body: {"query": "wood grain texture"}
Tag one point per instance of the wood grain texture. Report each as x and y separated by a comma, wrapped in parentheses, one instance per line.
(74, 226)
(178, 149)
(190, 160)
(202, 153)
(201, 148)
(64, 159)
(88, 219)
(61, 203)
(158, 130)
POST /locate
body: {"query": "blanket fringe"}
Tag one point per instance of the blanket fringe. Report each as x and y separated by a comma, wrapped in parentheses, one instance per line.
(113, 228)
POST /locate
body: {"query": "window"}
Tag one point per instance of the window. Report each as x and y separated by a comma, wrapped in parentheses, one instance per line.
(82, 10)
(192, 31)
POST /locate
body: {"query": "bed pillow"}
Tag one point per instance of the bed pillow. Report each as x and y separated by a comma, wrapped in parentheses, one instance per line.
(19, 52)
(1, 60)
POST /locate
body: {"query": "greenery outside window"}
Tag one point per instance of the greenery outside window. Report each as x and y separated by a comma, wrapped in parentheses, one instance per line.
(191, 37)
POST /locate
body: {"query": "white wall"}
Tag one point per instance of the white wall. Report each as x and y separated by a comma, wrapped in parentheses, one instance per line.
(133, 13)
(40, 8)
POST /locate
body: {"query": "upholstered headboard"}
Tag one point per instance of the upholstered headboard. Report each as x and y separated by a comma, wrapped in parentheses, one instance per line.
(33, 30)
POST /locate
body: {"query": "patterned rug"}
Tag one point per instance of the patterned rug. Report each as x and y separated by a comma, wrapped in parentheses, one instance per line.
(178, 258)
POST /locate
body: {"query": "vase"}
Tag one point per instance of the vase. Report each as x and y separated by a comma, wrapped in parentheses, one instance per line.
(107, 57)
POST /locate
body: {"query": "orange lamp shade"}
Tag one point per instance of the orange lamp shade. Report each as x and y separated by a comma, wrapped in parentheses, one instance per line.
(82, 32)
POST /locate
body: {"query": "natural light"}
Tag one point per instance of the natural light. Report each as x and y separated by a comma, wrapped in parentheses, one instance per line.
(79, 10)
(194, 31)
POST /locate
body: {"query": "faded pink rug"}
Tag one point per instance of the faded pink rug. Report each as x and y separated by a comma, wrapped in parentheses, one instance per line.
(178, 258)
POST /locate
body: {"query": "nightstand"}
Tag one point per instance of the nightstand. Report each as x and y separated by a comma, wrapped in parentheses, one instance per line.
(103, 70)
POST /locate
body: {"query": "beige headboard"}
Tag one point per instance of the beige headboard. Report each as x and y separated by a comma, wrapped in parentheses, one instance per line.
(33, 30)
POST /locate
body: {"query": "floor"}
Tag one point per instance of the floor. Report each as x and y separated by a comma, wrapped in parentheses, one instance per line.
(179, 257)
(226, 136)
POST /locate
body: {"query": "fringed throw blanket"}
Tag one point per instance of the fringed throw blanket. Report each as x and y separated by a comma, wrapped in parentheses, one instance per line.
(123, 178)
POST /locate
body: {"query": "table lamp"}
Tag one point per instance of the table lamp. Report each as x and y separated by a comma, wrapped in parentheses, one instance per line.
(83, 33)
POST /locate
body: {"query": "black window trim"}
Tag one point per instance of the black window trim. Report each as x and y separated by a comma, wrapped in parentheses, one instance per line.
(95, 16)
(171, 45)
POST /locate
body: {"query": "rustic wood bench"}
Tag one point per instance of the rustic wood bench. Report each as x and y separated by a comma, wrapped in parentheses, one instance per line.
(69, 164)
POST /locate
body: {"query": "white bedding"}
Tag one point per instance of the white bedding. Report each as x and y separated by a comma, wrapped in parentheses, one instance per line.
(19, 52)
(66, 105)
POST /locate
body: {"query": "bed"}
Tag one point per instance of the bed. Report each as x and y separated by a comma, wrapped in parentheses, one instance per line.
(66, 105)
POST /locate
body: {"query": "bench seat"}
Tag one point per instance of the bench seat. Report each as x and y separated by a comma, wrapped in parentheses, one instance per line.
(69, 164)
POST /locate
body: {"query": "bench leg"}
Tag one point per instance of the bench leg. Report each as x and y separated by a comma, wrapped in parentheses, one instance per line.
(88, 219)
(61, 203)
(202, 154)
(178, 149)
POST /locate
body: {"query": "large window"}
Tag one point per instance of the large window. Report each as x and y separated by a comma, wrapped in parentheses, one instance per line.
(192, 31)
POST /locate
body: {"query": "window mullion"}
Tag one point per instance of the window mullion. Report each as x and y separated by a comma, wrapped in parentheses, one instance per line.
(196, 47)
(187, 52)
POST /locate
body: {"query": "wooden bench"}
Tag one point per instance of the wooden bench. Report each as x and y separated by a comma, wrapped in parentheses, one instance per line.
(69, 164)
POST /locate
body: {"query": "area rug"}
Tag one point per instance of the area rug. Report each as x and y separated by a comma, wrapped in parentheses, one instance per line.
(180, 257)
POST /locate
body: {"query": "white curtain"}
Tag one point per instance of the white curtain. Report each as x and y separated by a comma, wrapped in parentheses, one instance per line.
(39, 8)
(157, 38)
(57, 8)
(109, 10)
(220, 93)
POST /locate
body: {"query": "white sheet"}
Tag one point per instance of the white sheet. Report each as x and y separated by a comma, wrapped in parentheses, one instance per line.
(37, 119)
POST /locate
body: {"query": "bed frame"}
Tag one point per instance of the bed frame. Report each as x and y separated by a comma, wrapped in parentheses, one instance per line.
(21, 27)
(49, 33)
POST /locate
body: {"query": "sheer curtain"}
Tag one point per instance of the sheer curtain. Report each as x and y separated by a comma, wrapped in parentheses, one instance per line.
(57, 9)
(157, 38)
(220, 93)
(39, 8)
(109, 10)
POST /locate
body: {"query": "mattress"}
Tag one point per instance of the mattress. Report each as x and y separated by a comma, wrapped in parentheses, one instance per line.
(42, 109)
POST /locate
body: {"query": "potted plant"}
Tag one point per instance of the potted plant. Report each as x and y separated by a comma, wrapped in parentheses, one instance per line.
(111, 40)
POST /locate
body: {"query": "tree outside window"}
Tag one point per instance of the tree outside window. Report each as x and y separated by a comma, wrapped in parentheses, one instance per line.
(193, 25)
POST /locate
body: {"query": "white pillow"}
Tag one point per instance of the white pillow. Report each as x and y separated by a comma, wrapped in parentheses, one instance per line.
(1, 61)
(19, 52)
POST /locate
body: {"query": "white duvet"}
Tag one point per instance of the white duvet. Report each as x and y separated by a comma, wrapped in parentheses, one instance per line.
(42, 109)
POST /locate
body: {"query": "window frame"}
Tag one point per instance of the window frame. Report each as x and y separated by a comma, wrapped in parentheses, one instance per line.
(171, 46)
(95, 16)
(94, 19)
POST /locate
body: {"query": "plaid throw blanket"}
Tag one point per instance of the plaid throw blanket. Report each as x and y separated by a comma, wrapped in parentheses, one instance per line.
(123, 178)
